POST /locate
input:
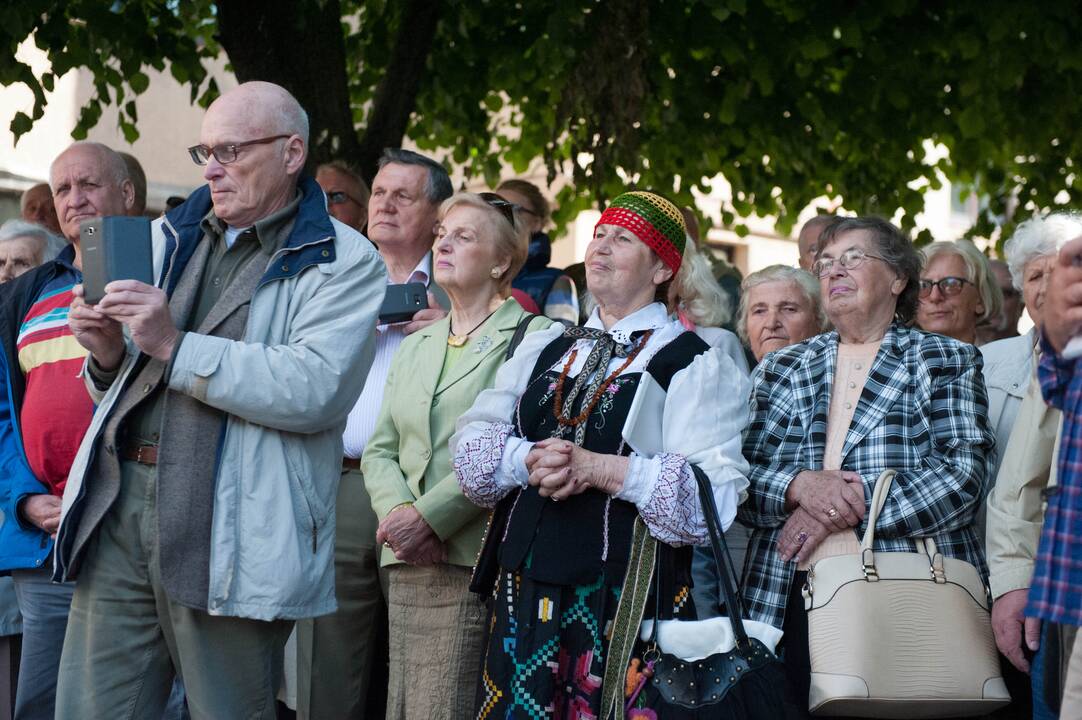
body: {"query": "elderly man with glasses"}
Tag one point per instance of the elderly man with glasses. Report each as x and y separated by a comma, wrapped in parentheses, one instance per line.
(199, 511)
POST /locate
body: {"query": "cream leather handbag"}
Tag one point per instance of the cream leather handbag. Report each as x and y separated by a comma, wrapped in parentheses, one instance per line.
(900, 634)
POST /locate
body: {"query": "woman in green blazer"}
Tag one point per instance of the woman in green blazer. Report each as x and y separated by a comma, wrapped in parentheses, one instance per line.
(431, 533)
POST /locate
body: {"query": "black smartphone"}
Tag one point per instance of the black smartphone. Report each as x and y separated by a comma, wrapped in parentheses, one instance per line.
(402, 301)
(114, 248)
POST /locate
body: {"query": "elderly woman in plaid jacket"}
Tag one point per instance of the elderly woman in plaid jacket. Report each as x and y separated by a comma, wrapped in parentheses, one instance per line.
(832, 413)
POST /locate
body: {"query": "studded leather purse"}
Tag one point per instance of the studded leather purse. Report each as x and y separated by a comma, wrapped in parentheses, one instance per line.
(744, 682)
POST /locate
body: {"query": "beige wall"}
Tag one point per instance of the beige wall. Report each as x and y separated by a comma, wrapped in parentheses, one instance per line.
(168, 124)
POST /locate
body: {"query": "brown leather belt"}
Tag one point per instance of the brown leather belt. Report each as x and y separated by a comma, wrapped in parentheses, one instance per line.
(349, 463)
(142, 454)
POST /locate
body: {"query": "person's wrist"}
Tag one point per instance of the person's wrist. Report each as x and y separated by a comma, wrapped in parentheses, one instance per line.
(795, 490)
(401, 505)
(108, 361)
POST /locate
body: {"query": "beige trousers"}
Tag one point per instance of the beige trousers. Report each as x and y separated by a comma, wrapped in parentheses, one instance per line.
(436, 634)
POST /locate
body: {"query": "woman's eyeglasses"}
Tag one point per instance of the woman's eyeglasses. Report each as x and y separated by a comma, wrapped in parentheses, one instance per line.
(338, 197)
(851, 259)
(949, 285)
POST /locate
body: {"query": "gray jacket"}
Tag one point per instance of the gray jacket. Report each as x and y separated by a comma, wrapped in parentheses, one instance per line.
(286, 389)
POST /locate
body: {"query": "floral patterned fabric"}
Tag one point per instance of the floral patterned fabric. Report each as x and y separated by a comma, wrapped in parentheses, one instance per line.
(546, 652)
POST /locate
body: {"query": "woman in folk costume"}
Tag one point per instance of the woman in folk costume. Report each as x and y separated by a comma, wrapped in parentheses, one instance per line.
(545, 446)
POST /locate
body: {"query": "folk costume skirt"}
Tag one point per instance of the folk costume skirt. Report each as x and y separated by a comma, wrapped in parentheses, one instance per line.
(547, 647)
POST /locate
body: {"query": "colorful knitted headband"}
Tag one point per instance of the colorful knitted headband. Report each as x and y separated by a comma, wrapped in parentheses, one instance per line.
(654, 220)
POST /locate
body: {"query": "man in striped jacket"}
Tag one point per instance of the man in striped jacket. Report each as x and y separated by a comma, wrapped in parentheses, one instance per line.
(44, 412)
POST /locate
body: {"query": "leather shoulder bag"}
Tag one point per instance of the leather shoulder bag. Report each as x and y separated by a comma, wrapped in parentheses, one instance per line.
(745, 682)
(900, 634)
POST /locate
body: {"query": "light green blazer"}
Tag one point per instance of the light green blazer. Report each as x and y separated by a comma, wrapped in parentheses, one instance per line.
(408, 458)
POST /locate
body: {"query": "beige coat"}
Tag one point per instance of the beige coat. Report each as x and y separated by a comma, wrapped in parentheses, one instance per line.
(1015, 505)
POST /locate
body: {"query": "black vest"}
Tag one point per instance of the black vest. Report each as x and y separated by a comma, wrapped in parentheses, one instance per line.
(571, 542)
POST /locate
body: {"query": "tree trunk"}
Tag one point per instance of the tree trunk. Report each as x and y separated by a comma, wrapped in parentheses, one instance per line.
(300, 46)
(396, 95)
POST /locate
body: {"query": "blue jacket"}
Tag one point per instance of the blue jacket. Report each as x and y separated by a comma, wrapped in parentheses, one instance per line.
(21, 545)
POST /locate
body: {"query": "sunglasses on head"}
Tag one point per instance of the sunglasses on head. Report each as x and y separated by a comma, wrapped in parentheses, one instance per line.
(507, 209)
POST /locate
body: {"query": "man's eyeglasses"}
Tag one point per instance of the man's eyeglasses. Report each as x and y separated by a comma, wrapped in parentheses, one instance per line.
(506, 209)
(949, 285)
(851, 259)
(226, 152)
(338, 197)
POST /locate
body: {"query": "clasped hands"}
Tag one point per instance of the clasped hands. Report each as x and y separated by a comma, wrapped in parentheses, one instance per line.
(143, 308)
(410, 537)
(559, 469)
(825, 501)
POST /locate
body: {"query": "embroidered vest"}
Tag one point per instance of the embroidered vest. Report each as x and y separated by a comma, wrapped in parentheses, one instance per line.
(573, 541)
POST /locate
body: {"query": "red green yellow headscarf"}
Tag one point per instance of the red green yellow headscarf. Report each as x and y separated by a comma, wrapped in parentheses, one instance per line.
(654, 220)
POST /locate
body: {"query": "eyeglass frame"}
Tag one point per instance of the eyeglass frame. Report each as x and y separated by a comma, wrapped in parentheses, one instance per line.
(505, 207)
(822, 267)
(233, 147)
(345, 196)
(924, 287)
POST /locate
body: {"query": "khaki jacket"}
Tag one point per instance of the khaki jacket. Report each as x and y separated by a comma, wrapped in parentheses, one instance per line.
(1015, 505)
(408, 458)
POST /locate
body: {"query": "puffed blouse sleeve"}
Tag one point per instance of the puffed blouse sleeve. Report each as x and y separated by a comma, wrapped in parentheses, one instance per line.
(489, 460)
(706, 411)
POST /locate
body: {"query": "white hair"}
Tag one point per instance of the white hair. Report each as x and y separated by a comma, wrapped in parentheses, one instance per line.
(18, 229)
(698, 292)
(1037, 237)
(978, 272)
(803, 279)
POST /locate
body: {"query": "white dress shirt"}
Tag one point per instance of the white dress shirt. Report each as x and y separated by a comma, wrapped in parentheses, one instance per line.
(362, 418)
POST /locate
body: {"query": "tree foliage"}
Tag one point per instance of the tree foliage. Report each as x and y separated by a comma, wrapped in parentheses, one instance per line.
(789, 100)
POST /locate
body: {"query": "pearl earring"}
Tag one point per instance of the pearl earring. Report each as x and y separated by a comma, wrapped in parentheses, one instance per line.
(495, 272)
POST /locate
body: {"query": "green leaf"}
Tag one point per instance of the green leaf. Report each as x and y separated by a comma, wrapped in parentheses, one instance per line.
(138, 82)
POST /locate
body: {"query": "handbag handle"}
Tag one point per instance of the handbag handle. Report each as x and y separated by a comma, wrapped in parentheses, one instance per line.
(879, 499)
(723, 563)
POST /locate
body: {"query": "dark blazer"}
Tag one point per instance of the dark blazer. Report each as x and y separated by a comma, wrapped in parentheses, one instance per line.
(923, 412)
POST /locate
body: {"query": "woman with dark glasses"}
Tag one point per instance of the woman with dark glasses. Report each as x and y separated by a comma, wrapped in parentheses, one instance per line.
(957, 290)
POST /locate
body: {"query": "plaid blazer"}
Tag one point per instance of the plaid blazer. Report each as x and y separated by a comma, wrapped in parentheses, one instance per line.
(923, 412)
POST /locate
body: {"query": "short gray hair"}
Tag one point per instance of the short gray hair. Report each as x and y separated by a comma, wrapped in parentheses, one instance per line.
(894, 248)
(978, 272)
(1039, 236)
(803, 279)
(438, 187)
(15, 229)
(113, 165)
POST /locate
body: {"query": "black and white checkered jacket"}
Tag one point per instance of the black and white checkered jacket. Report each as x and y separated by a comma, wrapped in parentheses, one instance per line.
(923, 412)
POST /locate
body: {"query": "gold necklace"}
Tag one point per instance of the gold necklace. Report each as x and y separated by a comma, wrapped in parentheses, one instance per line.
(457, 341)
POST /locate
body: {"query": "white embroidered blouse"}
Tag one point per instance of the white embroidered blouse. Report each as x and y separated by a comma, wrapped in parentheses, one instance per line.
(706, 411)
